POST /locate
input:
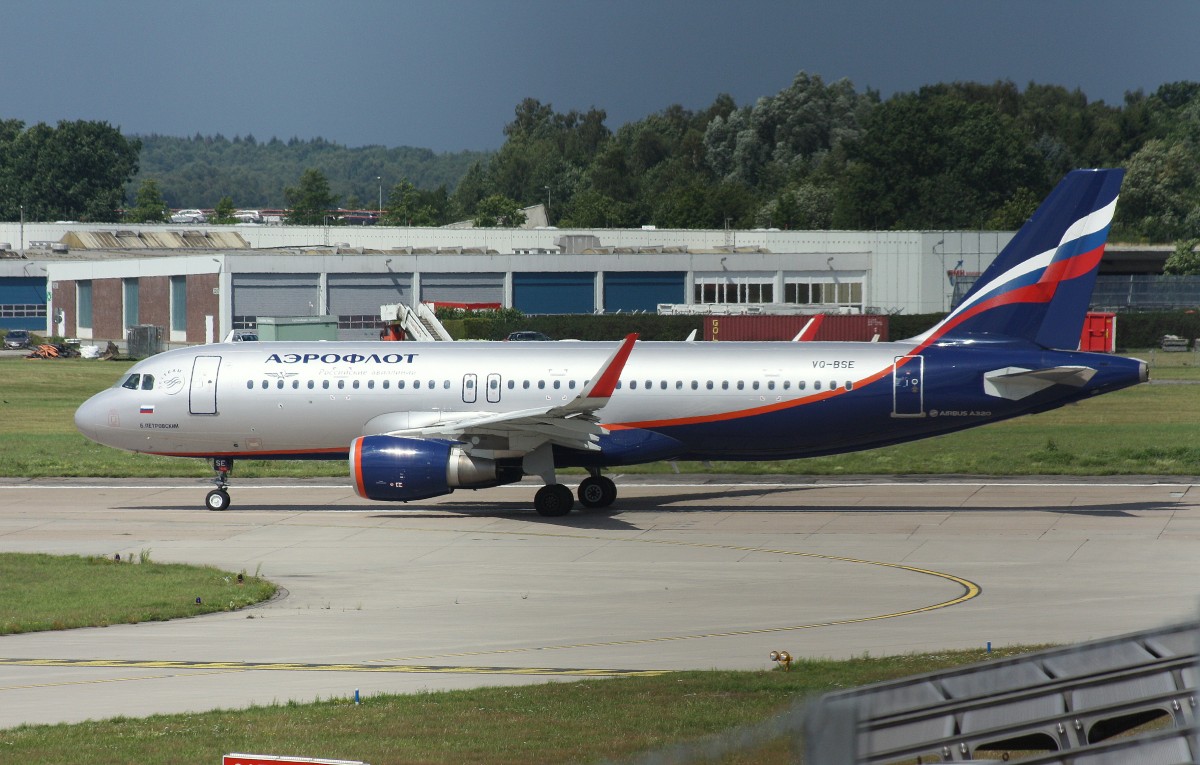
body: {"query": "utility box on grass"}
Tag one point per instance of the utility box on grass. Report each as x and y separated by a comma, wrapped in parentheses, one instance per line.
(1099, 333)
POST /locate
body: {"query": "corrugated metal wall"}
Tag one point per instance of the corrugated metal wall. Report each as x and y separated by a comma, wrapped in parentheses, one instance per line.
(276, 295)
(355, 299)
(643, 290)
(462, 288)
(555, 292)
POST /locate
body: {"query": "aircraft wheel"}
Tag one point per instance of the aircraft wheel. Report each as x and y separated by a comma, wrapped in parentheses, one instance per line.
(597, 491)
(217, 499)
(553, 500)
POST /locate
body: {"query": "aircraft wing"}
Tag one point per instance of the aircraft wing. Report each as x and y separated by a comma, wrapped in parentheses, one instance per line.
(573, 424)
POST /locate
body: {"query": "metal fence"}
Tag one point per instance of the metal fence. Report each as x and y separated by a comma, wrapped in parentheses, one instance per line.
(1145, 292)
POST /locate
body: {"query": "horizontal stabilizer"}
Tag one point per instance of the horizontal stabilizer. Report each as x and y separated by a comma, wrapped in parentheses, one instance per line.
(1015, 383)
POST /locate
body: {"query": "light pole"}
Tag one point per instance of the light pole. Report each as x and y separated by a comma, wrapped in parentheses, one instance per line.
(547, 188)
(379, 180)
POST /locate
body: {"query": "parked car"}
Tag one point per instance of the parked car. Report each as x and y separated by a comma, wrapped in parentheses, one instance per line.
(526, 335)
(17, 338)
(189, 216)
(248, 216)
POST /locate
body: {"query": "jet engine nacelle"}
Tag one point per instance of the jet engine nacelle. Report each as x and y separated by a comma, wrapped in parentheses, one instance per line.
(396, 469)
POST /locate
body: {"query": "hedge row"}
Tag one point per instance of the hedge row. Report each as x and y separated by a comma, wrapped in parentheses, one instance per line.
(1134, 330)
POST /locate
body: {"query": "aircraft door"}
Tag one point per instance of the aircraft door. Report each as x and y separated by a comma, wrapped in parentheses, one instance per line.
(469, 392)
(908, 386)
(202, 399)
(493, 388)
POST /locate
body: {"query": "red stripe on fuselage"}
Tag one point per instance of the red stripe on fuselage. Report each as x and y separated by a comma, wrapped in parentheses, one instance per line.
(1041, 291)
(743, 413)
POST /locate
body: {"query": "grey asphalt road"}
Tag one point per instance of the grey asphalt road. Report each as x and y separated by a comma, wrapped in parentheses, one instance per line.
(685, 572)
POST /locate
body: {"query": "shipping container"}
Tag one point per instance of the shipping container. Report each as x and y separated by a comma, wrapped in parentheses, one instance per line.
(834, 327)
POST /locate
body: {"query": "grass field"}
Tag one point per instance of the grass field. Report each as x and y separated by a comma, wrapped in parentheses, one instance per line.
(1144, 430)
(585, 721)
(50, 592)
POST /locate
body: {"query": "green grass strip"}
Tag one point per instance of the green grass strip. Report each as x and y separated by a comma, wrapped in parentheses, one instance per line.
(584, 721)
(50, 592)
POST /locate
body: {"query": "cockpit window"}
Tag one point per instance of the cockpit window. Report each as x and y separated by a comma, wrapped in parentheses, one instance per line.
(138, 382)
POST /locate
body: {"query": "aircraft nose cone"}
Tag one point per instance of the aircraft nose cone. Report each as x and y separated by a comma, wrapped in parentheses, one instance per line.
(89, 417)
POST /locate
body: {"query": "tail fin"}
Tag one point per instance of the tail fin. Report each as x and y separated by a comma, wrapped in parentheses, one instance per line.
(1040, 285)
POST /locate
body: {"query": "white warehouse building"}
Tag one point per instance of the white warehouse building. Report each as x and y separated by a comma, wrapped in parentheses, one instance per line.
(94, 281)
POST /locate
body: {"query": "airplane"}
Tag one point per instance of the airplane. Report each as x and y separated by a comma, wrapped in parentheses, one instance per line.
(419, 420)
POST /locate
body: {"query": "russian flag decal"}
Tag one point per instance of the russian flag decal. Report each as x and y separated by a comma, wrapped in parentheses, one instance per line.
(147, 409)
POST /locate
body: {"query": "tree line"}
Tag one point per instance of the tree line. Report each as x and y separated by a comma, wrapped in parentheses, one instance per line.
(816, 155)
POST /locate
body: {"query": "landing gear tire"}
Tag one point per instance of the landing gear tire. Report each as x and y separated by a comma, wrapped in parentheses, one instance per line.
(597, 491)
(553, 500)
(217, 499)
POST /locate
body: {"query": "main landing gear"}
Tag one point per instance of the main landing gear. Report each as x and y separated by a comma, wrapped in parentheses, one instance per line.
(597, 491)
(218, 498)
(554, 500)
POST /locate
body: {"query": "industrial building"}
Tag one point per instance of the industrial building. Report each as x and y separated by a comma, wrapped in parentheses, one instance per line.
(94, 282)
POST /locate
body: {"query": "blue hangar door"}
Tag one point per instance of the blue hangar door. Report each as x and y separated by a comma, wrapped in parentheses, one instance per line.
(642, 290)
(554, 293)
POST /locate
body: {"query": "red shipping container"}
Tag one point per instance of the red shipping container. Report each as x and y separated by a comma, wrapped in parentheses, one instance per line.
(837, 327)
(1099, 332)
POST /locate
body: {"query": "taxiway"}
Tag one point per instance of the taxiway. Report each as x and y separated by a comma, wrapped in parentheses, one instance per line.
(685, 572)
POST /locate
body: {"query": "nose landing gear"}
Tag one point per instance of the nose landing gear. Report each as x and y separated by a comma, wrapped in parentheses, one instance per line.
(218, 498)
